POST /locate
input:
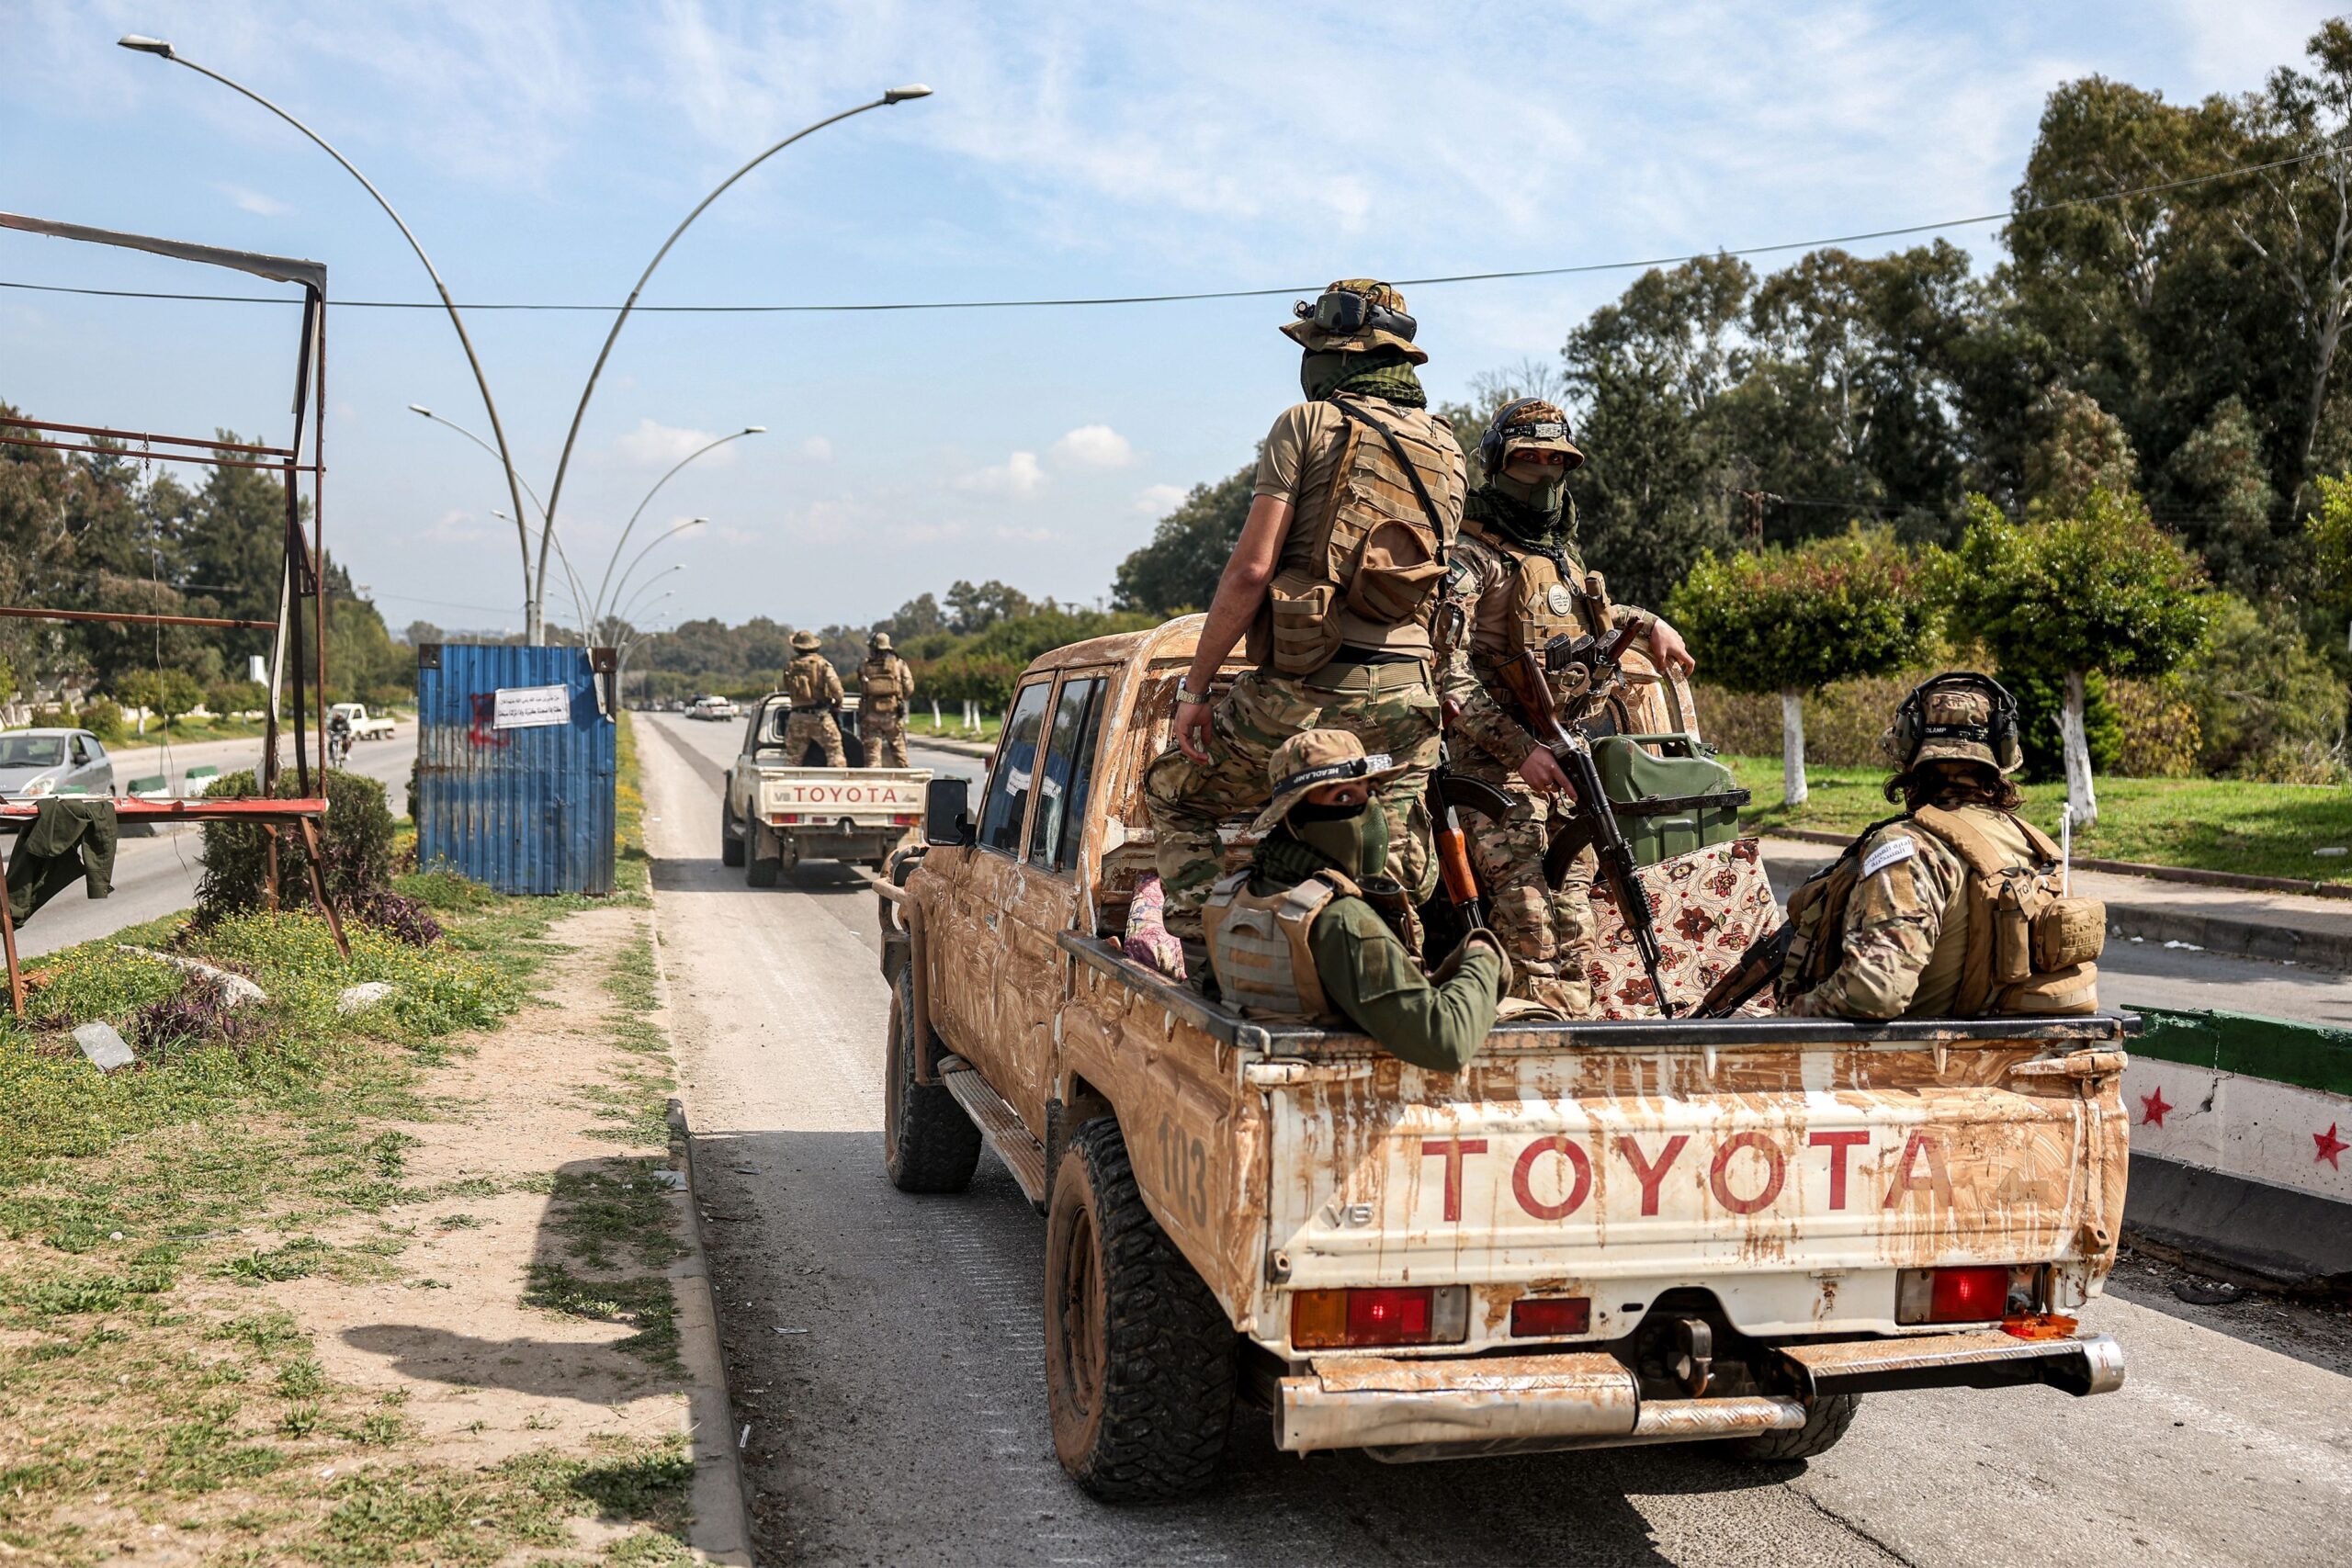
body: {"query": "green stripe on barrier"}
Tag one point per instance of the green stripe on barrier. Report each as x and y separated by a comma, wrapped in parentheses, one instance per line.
(2309, 1055)
(142, 787)
(207, 771)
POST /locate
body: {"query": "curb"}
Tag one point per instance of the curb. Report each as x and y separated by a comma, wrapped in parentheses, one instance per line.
(721, 1527)
(2274, 1235)
(981, 748)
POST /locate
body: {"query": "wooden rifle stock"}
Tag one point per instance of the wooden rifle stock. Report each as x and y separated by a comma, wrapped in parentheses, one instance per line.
(1524, 678)
(1757, 968)
(1455, 874)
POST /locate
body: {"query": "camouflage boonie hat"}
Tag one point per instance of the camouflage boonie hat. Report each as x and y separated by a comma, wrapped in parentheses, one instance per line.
(806, 642)
(1313, 758)
(1951, 723)
(879, 642)
(1531, 426)
(1308, 335)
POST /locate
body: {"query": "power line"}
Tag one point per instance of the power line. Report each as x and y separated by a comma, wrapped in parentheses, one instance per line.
(1053, 303)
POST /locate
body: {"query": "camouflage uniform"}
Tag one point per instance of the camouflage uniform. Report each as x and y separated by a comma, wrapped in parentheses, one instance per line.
(882, 720)
(815, 690)
(1379, 686)
(1550, 934)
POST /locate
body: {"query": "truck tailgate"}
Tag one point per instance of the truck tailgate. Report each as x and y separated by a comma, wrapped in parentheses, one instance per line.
(865, 797)
(1791, 1180)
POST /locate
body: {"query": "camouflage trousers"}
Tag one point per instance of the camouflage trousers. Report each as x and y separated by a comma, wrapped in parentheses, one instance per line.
(1550, 935)
(1389, 707)
(885, 735)
(817, 725)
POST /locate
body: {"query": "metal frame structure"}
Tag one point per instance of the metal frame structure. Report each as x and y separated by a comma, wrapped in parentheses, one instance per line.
(301, 572)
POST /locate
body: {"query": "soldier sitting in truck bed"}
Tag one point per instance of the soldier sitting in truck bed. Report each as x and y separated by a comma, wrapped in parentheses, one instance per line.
(1292, 935)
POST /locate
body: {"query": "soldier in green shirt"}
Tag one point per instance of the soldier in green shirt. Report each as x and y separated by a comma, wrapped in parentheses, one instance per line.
(1294, 935)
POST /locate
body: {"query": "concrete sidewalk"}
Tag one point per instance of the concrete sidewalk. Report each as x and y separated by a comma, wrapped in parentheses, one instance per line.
(2238, 921)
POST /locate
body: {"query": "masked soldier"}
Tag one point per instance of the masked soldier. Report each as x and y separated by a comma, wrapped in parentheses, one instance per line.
(1516, 585)
(815, 689)
(1356, 503)
(1292, 936)
(1956, 909)
(885, 687)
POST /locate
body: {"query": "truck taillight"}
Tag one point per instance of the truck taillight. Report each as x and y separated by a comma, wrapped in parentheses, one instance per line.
(1534, 1316)
(784, 819)
(1333, 1320)
(1977, 1295)
(905, 818)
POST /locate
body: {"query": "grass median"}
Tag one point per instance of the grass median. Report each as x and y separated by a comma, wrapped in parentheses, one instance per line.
(2232, 825)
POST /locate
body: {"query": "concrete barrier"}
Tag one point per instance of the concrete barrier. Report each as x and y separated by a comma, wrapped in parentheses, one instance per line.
(2241, 1130)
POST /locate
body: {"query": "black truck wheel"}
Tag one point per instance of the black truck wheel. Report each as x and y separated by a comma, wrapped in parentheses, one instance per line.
(1139, 1357)
(928, 1143)
(1823, 1424)
(763, 856)
(730, 835)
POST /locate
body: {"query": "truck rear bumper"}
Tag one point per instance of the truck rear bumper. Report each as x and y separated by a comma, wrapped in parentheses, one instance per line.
(1443, 1409)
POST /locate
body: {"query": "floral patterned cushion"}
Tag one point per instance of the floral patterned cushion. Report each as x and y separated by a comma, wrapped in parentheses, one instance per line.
(1708, 907)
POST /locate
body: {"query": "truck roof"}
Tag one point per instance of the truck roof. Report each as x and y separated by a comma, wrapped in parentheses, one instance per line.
(1168, 641)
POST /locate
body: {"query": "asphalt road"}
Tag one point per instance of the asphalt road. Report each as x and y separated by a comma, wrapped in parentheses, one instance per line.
(885, 1352)
(154, 877)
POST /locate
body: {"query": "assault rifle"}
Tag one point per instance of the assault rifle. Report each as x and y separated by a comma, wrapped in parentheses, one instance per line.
(1757, 968)
(1525, 679)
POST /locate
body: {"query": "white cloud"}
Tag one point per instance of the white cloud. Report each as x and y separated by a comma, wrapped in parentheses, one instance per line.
(1094, 446)
(1017, 475)
(456, 526)
(1158, 501)
(927, 533)
(253, 201)
(817, 449)
(653, 443)
(1026, 535)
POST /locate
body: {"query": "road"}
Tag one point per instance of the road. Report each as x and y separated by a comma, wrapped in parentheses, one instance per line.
(885, 1352)
(154, 877)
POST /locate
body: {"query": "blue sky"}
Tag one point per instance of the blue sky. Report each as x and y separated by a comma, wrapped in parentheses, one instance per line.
(542, 152)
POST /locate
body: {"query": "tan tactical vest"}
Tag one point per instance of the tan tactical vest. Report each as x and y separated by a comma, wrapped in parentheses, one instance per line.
(804, 681)
(1362, 562)
(1257, 945)
(2025, 948)
(878, 685)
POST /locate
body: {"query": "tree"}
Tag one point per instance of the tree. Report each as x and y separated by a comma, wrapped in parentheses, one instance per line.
(1178, 570)
(2330, 532)
(1794, 620)
(419, 633)
(166, 694)
(974, 608)
(2220, 481)
(2082, 448)
(2099, 588)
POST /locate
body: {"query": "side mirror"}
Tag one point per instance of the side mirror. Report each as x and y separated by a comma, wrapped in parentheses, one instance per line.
(947, 814)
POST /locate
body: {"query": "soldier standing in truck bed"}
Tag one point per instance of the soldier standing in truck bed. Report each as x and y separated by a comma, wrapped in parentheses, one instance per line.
(815, 691)
(1357, 500)
(1515, 585)
(884, 686)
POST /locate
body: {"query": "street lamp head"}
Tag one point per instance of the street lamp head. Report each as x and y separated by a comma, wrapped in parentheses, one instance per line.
(419, 408)
(894, 95)
(755, 430)
(145, 45)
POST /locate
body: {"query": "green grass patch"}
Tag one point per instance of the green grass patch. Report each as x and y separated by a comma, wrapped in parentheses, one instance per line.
(642, 1301)
(2234, 824)
(951, 725)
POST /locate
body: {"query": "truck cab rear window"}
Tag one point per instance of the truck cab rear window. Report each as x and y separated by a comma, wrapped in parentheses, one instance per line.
(1014, 777)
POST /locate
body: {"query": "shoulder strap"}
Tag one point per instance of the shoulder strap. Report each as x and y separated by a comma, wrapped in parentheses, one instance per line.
(1412, 474)
(1967, 840)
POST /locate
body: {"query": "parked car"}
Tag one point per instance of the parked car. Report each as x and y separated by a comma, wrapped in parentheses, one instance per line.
(35, 762)
(714, 708)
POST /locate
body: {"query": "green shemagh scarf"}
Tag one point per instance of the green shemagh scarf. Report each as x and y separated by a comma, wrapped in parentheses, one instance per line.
(1354, 844)
(1519, 521)
(1383, 372)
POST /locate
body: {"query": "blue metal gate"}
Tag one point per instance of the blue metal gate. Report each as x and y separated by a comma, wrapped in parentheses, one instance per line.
(516, 755)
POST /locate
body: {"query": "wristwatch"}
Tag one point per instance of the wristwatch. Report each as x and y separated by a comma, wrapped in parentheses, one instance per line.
(1185, 693)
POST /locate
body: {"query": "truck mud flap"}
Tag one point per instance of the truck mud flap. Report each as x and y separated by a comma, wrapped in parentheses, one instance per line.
(1001, 1125)
(2090, 1363)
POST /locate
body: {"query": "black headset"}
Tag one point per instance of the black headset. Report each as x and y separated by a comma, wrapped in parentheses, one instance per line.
(1490, 442)
(1912, 730)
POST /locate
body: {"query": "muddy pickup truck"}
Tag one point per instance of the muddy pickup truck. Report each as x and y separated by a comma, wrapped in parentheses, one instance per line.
(1642, 1231)
(777, 811)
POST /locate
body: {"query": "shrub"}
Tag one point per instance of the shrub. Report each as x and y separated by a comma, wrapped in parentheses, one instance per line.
(395, 914)
(354, 843)
(2042, 697)
(200, 1013)
(102, 717)
(2267, 706)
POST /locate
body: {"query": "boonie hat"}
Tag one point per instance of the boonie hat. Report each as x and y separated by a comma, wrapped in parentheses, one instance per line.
(1315, 757)
(879, 642)
(1308, 334)
(805, 642)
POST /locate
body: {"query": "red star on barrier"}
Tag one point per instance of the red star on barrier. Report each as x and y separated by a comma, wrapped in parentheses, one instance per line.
(2153, 1108)
(2330, 1146)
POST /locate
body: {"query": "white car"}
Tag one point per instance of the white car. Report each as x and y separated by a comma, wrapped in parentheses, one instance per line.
(714, 708)
(363, 727)
(34, 763)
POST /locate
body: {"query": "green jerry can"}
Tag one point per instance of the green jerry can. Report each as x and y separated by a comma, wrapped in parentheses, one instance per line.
(1671, 800)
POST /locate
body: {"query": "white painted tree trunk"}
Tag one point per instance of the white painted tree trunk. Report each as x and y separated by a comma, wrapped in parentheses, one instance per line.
(1793, 784)
(2079, 790)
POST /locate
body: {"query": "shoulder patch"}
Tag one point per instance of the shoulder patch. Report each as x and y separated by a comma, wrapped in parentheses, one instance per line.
(1894, 851)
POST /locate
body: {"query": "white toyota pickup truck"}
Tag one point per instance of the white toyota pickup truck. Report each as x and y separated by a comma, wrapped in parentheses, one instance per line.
(776, 812)
(363, 727)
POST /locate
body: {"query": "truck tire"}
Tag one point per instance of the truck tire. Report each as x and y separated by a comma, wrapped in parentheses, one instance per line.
(762, 871)
(731, 842)
(928, 1143)
(1139, 1357)
(1823, 1424)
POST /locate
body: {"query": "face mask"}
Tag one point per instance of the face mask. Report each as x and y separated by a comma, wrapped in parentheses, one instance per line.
(1354, 838)
(1320, 371)
(1544, 493)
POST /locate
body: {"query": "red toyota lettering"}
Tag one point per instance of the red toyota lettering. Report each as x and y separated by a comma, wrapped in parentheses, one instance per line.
(1775, 1172)
(1837, 1144)
(1650, 1173)
(1452, 1149)
(1579, 1182)
(1906, 1177)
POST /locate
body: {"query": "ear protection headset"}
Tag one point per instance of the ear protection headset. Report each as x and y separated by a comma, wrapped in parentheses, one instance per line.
(1911, 729)
(1491, 441)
